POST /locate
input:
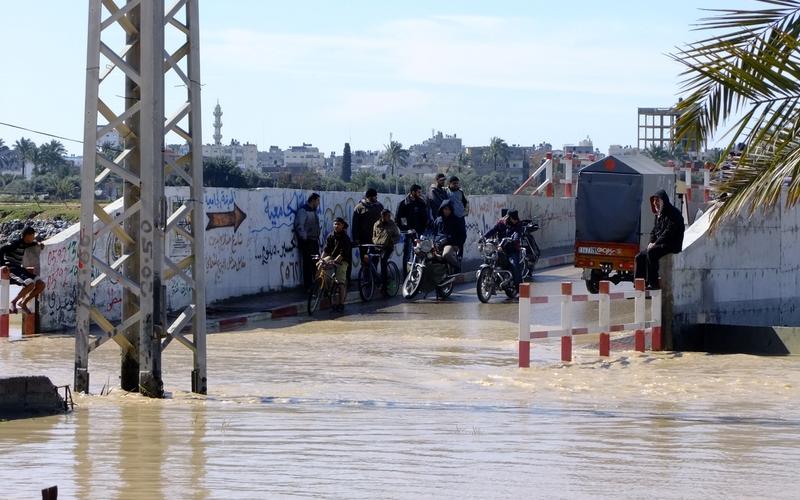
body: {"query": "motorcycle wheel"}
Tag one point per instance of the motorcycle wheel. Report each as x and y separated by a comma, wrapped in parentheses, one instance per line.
(412, 282)
(593, 283)
(485, 285)
(445, 291)
(315, 296)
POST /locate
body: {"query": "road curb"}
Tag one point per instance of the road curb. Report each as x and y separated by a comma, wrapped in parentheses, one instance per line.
(299, 308)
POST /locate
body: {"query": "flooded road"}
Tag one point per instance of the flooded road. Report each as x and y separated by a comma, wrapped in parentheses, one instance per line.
(412, 400)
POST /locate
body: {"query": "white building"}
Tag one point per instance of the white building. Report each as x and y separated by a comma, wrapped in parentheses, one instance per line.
(306, 156)
(244, 155)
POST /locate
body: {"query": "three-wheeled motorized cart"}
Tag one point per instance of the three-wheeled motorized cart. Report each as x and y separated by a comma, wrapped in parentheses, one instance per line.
(613, 215)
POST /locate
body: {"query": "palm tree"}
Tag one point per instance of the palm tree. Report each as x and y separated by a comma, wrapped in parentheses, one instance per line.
(748, 68)
(498, 150)
(395, 155)
(51, 154)
(7, 156)
(659, 153)
(26, 149)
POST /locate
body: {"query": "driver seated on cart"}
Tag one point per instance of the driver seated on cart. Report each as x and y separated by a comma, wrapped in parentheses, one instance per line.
(666, 238)
(509, 228)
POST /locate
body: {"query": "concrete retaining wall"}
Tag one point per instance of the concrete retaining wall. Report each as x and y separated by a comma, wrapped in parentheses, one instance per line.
(22, 397)
(745, 273)
(260, 255)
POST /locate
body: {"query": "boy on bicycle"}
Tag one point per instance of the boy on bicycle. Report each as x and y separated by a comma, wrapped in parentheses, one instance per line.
(339, 249)
(386, 234)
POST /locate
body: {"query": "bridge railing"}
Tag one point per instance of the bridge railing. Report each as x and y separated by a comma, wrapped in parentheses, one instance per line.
(566, 330)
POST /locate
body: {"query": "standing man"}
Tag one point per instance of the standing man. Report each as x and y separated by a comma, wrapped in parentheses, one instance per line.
(460, 207)
(665, 238)
(307, 229)
(437, 195)
(412, 213)
(386, 234)
(11, 255)
(366, 214)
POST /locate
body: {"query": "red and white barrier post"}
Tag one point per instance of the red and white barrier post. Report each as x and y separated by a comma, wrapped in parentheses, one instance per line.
(655, 317)
(688, 179)
(604, 320)
(639, 314)
(566, 321)
(707, 182)
(5, 297)
(568, 176)
(549, 189)
(524, 325)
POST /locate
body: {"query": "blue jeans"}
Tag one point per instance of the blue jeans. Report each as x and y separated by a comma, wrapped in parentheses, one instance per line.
(408, 248)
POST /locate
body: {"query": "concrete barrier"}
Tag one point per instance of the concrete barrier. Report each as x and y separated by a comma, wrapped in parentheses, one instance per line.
(250, 246)
(23, 397)
(746, 273)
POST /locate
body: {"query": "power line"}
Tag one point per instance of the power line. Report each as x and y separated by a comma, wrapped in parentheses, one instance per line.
(40, 132)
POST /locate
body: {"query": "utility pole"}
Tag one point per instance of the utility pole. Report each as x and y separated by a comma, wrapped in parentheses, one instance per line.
(140, 223)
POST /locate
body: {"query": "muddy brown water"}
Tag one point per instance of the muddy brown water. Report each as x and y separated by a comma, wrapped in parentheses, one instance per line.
(418, 400)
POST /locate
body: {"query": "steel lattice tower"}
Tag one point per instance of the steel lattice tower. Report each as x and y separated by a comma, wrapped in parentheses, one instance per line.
(139, 29)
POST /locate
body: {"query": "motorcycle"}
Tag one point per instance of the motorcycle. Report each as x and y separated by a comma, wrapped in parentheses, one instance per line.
(427, 271)
(494, 274)
(529, 248)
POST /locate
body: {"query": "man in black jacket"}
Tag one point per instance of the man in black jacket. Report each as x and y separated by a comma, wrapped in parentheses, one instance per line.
(666, 238)
(412, 213)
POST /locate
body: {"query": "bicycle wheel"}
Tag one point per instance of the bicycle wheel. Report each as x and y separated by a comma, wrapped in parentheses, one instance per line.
(315, 296)
(366, 283)
(393, 279)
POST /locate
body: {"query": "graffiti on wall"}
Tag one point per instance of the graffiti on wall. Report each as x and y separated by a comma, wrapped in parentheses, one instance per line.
(250, 245)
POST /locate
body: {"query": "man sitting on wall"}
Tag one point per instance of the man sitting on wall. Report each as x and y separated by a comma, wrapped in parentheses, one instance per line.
(666, 238)
(11, 256)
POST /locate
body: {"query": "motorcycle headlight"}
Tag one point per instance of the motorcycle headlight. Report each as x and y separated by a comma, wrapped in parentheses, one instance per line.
(489, 249)
(425, 246)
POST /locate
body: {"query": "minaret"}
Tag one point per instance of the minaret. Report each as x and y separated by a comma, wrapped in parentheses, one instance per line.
(217, 125)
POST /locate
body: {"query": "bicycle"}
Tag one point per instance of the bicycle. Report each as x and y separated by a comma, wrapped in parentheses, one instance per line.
(325, 284)
(369, 276)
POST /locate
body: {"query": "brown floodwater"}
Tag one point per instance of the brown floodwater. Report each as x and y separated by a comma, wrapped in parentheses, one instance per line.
(412, 400)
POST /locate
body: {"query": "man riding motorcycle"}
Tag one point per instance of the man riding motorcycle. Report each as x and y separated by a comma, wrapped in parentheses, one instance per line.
(447, 233)
(509, 228)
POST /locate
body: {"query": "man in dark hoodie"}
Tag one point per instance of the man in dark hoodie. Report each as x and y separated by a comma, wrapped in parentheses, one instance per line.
(448, 233)
(412, 213)
(307, 229)
(666, 238)
(366, 214)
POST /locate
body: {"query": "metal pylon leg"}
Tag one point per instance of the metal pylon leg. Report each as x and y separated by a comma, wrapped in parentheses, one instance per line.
(139, 223)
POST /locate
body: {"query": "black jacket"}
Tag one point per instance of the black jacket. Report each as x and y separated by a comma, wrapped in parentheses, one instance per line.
(365, 215)
(668, 230)
(415, 213)
(447, 230)
(337, 244)
(436, 195)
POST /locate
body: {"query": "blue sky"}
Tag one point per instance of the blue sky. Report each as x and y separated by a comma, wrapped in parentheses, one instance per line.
(326, 73)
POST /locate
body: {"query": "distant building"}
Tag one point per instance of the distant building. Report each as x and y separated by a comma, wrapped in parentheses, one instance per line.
(656, 128)
(435, 153)
(305, 157)
(244, 155)
(272, 160)
(584, 147)
(110, 138)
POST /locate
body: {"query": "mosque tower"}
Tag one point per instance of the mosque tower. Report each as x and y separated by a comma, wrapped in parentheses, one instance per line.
(217, 125)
